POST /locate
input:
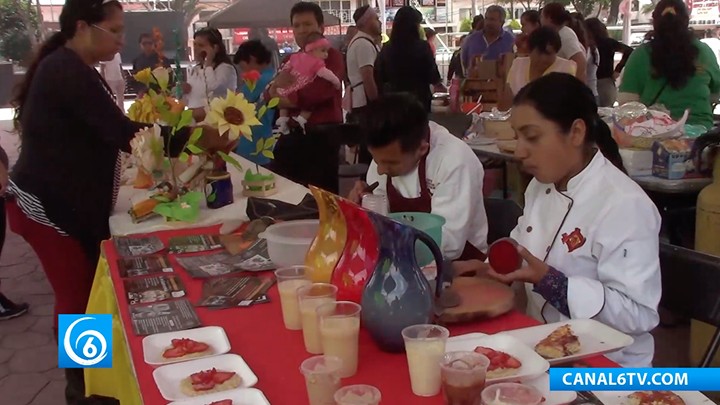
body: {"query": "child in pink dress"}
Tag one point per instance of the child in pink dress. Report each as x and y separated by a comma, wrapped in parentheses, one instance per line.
(302, 68)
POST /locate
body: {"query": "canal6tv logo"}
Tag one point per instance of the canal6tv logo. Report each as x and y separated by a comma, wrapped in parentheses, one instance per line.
(85, 341)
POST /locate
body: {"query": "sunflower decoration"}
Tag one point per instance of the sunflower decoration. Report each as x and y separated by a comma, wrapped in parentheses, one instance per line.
(233, 115)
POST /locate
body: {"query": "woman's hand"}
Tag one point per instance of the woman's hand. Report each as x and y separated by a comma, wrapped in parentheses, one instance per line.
(209, 57)
(532, 271)
(470, 268)
(439, 88)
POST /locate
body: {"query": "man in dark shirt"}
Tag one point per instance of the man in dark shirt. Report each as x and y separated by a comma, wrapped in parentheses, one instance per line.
(149, 58)
(312, 156)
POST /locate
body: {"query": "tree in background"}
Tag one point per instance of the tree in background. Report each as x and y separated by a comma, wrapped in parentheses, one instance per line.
(190, 8)
(18, 29)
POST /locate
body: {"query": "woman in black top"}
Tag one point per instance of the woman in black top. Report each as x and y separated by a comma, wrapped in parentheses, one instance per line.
(406, 63)
(606, 73)
(66, 179)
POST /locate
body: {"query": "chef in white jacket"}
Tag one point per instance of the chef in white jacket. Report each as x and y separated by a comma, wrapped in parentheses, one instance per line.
(588, 233)
(421, 167)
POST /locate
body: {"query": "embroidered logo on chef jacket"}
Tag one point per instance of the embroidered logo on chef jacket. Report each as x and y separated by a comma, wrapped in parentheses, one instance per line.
(573, 240)
(431, 186)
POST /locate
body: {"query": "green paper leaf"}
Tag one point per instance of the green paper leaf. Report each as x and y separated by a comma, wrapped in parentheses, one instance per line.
(251, 86)
(273, 102)
(259, 145)
(194, 149)
(184, 157)
(270, 142)
(261, 112)
(161, 198)
(195, 136)
(185, 119)
(268, 154)
(229, 159)
(168, 117)
(212, 197)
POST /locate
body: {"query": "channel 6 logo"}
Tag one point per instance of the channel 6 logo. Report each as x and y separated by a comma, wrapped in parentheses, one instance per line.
(85, 341)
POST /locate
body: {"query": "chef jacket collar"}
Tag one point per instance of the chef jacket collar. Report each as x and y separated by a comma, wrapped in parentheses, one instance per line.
(585, 176)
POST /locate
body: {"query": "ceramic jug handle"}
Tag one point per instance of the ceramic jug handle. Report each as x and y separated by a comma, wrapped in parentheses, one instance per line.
(437, 254)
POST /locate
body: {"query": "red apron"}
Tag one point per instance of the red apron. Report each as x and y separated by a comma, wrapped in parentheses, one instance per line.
(398, 203)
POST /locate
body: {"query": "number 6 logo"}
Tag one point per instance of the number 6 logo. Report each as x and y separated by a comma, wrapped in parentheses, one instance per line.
(95, 330)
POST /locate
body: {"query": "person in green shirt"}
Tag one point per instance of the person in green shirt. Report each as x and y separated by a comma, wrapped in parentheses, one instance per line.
(673, 69)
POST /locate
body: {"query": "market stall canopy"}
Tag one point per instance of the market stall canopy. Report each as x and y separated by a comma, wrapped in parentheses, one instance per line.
(259, 14)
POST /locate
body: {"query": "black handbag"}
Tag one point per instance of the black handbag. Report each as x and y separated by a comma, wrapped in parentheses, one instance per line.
(282, 211)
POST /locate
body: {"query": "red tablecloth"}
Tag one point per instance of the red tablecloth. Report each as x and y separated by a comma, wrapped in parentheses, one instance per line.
(275, 353)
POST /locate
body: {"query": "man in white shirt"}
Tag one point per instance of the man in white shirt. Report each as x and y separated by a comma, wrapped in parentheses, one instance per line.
(112, 73)
(360, 62)
(421, 167)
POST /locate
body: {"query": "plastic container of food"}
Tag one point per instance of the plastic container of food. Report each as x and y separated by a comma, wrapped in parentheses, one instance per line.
(288, 242)
(511, 394)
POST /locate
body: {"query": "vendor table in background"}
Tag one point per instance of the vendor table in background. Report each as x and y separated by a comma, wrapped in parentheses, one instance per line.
(257, 334)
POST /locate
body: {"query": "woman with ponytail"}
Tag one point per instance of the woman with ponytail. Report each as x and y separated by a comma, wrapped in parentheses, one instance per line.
(588, 233)
(63, 187)
(555, 16)
(674, 68)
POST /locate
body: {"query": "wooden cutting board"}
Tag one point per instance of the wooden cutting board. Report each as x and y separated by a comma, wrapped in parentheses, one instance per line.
(479, 298)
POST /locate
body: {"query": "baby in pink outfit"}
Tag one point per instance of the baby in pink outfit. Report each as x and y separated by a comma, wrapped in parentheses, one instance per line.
(302, 68)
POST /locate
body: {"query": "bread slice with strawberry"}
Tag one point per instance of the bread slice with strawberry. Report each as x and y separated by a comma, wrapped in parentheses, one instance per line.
(209, 381)
(501, 363)
(655, 398)
(562, 342)
(185, 349)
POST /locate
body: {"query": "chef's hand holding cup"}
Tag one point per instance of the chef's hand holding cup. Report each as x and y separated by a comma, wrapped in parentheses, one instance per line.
(357, 192)
(531, 271)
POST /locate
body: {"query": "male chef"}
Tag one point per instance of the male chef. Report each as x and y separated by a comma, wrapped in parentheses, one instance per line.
(421, 167)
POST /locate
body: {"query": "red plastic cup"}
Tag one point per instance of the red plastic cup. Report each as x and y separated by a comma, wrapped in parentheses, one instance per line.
(503, 256)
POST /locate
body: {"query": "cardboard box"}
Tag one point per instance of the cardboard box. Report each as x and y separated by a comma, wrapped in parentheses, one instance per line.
(672, 159)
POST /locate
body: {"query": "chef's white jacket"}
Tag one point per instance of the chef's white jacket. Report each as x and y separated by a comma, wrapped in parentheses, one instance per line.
(602, 233)
(454, 177)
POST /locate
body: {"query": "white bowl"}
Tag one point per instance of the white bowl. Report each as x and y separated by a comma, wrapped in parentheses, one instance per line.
(288, 242)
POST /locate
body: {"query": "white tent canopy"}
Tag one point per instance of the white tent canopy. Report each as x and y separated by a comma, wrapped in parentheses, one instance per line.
(259, 14)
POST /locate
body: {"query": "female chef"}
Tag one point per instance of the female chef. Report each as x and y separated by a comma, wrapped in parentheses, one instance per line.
(588, 234)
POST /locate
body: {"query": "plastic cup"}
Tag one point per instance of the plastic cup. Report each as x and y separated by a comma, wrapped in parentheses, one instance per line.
(376, 203)
(463, 377)
(322, 378)
(503, 256)
(339, 333)
(289, 279)
(425, 348)
(310, 297)
(511, 394)
(359, 394)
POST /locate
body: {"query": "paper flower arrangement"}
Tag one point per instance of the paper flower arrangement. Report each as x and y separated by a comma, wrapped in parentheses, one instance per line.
(233, 115)
(147, 148)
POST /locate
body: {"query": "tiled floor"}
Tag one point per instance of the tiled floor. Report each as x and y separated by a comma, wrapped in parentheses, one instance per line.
(28, 354)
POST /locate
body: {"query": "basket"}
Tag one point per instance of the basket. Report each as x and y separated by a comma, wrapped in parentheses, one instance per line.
(259, 188)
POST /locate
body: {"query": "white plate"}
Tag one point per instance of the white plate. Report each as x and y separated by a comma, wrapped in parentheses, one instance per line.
(167, 378)
(155, 345)
(246, 396)
(532, 364)
(542, 383)
(620, 397)
(595, 338)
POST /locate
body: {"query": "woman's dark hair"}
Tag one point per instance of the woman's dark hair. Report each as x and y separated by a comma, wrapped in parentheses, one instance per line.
(252, 49)
(312, 37)
(478, 21)
(214, 37)
(429, 32)
(563, 99)
(556, 13)
(405, 27)
(145, 35)
(90, 11)
(672, 51)
(303, 7)
(596, 29)
(543, 37)
(395, 117)
(532, 16)
(577, 24)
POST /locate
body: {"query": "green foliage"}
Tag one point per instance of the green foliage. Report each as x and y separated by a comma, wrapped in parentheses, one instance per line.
(515, 25)
(265, 147)
(466, 25)
(230, 160)
(18, 20)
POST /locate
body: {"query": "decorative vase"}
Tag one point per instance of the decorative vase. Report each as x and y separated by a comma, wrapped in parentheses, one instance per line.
(325, 250)
(218, 190)
(360, 255)
(398, 294)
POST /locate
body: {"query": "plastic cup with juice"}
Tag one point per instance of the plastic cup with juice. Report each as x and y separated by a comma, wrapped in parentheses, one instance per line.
(310, 297)
(322, 378)
(425, 348)
(511, 394)
(359, 394)
(339, 332)
(463, 377)
(289, 279)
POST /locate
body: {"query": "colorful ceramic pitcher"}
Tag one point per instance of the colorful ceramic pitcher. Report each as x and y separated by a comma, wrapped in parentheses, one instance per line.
(360, 255)
(398, 294)
(325, 251)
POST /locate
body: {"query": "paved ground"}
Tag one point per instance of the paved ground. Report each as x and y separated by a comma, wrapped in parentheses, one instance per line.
(28, 353)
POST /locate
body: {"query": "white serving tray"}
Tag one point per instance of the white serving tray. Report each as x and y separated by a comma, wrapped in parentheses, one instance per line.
(155, 345)
(167, 378)
(542, 383)
(595, 338)
(245, 396)
(533, 365)
(620, 397)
